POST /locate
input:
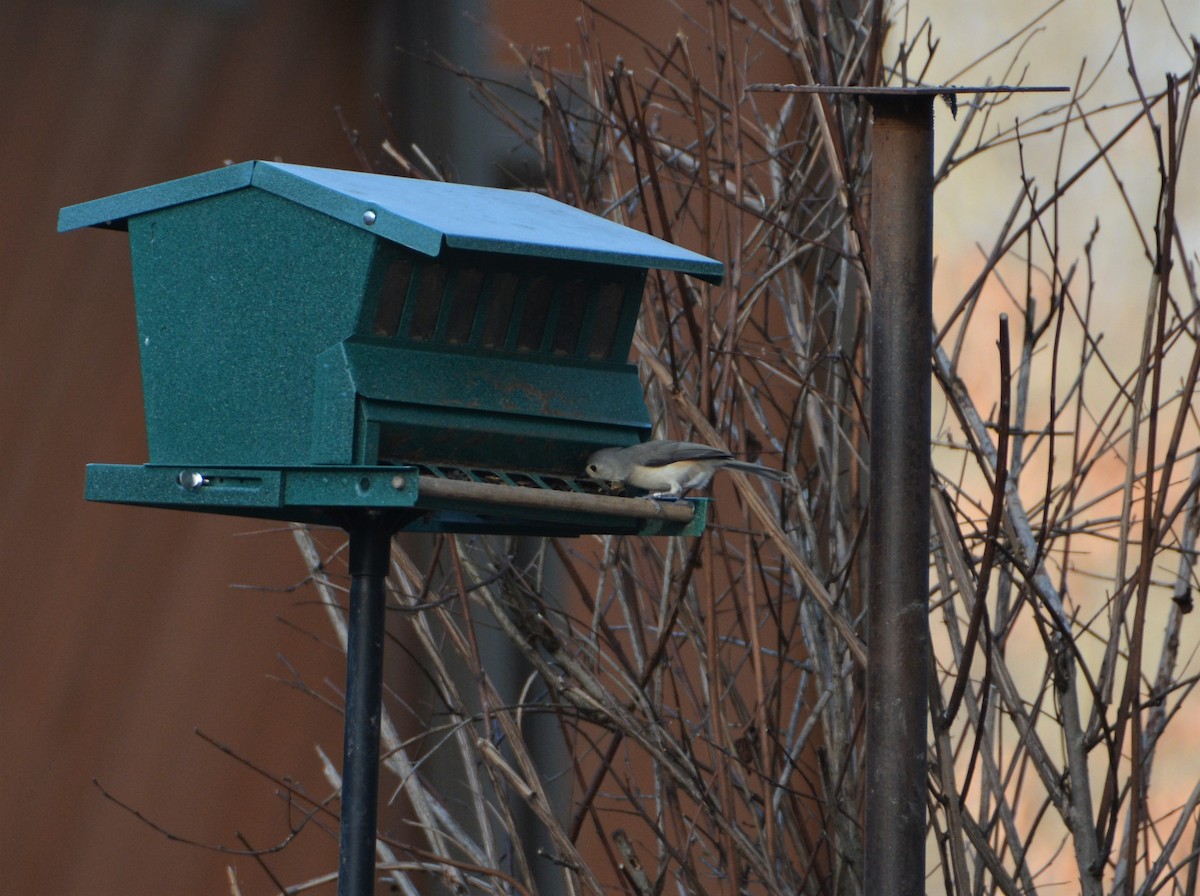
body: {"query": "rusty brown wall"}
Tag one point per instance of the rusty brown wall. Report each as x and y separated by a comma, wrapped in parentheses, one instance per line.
(119, 630)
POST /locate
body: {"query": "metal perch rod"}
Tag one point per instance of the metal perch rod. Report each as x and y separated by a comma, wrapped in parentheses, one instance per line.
(515, 496)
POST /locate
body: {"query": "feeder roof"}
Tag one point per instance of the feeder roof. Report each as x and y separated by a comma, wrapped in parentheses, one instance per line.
(425, 216)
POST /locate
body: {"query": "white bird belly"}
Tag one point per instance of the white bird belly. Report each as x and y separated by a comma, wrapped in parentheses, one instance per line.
(675, 478)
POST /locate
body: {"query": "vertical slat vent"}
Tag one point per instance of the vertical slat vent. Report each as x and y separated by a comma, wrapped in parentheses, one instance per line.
(493, 307)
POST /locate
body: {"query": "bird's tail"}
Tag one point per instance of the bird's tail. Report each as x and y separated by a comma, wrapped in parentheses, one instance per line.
(766, 472)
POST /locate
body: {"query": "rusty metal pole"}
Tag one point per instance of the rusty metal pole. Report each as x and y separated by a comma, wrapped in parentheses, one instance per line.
(898, 540)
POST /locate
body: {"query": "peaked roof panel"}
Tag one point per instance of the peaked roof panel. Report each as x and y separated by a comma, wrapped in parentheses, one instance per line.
(422, 215)
(113, 211)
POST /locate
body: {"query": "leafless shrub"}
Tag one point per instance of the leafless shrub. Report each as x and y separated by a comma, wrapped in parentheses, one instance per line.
(707, 693)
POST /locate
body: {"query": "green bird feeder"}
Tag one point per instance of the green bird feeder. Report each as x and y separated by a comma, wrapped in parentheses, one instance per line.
(382, 354)
(315, 340)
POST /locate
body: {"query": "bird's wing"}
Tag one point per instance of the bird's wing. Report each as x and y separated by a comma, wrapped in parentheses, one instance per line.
(664, 451)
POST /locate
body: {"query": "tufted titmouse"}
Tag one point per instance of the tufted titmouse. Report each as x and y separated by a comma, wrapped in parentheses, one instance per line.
(668, 469)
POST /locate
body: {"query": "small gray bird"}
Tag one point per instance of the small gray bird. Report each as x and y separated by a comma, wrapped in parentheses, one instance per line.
(668, 469)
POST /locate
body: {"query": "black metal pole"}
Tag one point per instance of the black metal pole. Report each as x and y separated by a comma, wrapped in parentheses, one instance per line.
(898, 572)
(370, 549)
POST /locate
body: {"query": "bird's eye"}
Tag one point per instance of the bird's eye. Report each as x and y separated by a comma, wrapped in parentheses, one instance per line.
(592, 470)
